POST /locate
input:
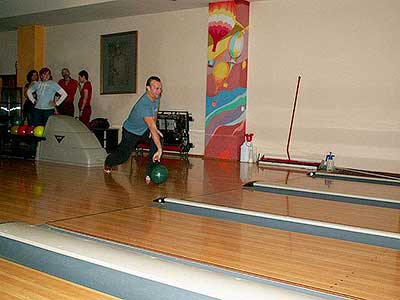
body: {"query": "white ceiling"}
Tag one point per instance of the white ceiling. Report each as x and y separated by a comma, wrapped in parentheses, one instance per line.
(15, 13)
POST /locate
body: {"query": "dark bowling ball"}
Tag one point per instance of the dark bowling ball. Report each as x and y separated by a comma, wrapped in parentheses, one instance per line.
(159, 174)
(30, 129)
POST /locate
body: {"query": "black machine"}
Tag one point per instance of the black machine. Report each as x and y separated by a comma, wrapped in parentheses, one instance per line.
(10, 111)
(10, 106)
(174, 125)
(14, 145)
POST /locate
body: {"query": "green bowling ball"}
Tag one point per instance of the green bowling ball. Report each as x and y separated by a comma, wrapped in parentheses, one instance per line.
(159, 174)
(18, 121)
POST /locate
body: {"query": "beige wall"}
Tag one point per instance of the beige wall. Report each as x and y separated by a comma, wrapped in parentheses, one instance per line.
(348, 54)
(171, 45)
(8, 52)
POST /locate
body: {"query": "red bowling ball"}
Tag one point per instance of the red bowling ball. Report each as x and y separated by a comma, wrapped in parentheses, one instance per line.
(22, 129)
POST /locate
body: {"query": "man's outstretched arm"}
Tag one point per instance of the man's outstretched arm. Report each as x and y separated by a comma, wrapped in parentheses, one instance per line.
(155, 136)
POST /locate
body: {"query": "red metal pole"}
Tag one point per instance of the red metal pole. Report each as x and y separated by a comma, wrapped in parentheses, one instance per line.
(291, 121)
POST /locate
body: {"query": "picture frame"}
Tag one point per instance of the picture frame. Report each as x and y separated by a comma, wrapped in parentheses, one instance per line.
(118, 63)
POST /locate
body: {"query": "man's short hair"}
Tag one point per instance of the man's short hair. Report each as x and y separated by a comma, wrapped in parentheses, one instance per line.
(151, 78)
(85, 74)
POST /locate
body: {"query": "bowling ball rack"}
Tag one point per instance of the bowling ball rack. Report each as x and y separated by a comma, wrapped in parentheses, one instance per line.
(19, 146)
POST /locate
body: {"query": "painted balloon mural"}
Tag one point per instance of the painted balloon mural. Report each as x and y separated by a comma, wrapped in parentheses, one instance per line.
(226, 79)
(221, 72)
(221, 20)
(236, 46)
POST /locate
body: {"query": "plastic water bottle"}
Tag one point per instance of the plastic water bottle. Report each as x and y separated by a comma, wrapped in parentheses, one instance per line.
(246, 149)
(330, 162)
(245, 152)
(250, 153)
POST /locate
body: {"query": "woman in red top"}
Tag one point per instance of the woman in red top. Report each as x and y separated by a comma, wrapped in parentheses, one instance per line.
(85, 109)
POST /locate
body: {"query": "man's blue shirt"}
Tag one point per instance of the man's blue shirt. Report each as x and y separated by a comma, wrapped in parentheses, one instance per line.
(144, 107)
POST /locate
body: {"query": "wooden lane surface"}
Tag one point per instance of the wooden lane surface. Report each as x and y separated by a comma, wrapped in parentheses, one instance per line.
(379, 218)
(208, 176)
(344, 268)
(40, 192)
(18, 282)
(37, 193)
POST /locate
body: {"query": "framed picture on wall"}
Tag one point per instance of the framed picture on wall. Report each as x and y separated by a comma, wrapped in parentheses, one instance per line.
(118, 65)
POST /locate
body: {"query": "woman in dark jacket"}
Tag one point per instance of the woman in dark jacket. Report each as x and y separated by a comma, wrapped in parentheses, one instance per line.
(27, 109)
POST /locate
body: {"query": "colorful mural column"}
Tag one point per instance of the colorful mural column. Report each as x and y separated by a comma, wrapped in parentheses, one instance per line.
(228, 32)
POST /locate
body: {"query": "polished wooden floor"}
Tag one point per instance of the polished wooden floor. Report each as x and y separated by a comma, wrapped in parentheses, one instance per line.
(118, 207)
(21, 283)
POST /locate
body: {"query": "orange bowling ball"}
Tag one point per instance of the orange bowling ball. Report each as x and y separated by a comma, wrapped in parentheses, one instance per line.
(14, 129)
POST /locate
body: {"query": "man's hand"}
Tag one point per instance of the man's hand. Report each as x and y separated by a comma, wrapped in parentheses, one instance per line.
(157, 156)
(155, 136)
